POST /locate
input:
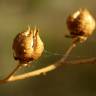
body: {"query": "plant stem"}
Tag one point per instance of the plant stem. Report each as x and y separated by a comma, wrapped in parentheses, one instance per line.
(14, 70)
(40, 71)
(45, 69)
(63, 59)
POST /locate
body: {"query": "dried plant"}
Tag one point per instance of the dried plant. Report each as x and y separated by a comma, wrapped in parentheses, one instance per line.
(28, 46)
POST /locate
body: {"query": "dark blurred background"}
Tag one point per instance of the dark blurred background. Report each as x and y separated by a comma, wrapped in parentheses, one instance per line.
(50, 16)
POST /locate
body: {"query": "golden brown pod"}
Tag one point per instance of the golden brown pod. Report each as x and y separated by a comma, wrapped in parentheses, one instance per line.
(27, 46)
(81, 24)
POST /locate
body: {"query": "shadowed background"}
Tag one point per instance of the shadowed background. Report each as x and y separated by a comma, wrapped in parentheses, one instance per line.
(50, 16)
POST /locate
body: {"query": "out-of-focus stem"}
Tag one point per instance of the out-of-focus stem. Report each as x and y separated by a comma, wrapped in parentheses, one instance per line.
(14, 70)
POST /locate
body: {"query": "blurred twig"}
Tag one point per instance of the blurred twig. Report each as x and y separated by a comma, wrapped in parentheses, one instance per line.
(48, 69)
(10, 77)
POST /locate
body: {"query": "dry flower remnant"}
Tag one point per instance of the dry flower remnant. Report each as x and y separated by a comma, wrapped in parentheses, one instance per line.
(28, 46)
(81, 24)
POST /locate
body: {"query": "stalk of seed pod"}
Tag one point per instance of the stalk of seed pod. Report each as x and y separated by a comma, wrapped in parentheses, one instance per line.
(81, 24)
(27, 46)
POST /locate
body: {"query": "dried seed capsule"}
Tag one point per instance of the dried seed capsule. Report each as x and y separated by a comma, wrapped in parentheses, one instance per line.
(81, 24)
(27, 46)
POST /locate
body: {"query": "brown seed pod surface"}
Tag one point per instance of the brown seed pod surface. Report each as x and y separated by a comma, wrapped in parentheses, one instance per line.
(27, 46)
(81, 23)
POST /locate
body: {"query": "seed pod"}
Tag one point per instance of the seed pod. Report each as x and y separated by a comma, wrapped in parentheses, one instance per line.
(27, 46)
(81, 24)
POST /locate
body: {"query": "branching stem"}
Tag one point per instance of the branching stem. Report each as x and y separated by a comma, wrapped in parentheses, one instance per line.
(62, 61)
(51, 67)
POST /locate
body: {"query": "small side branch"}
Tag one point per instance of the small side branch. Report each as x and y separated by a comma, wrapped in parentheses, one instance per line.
(13, 72)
